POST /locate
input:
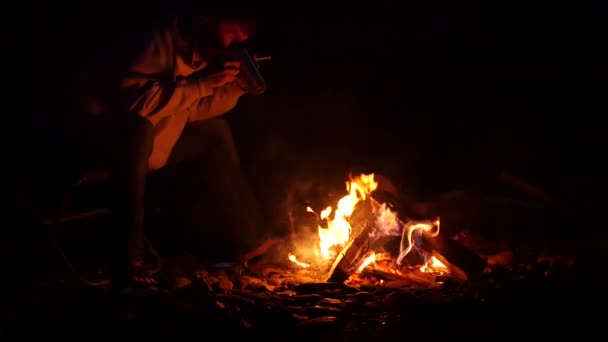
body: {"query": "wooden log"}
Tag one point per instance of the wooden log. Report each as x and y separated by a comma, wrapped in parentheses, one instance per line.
(536, 193)
(462, 262)
(364, 239)
(352, 254)
(350, 258)
(405, 205)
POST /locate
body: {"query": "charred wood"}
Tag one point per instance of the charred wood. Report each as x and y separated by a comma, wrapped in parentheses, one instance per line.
(462, 262)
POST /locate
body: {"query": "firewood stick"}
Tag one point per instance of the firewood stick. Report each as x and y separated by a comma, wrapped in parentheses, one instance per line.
(463, 262)
(458, 258)
(350, 257)
(521, 185)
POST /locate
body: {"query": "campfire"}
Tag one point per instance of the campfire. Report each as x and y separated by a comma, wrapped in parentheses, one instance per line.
(359, 261)
(353, 263)
(352, 238)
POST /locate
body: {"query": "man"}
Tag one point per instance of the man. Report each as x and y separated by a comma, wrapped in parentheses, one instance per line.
(168, 110)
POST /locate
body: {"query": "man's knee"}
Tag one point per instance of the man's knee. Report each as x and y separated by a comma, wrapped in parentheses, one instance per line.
(217, 131)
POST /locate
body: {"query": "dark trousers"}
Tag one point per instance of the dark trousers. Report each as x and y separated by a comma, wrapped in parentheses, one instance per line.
(213, 204)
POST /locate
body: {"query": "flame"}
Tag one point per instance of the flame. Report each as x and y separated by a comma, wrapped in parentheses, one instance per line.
(433, 265)
(387, 223)
(409, 231)
(336, 232)
(293, 259)
(338, 228)
(366, 262)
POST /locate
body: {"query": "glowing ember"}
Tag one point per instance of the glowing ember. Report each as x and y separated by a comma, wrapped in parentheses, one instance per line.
(433, 265)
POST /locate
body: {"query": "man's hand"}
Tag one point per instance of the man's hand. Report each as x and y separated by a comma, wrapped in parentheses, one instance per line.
(226, 75)
(241, 83)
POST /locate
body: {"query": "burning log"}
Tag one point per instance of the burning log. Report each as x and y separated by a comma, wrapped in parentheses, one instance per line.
(462, 262)
(317, 321)
(364, 242)
(349, 259)
(361, 227)
(536, 193)
(351, 256)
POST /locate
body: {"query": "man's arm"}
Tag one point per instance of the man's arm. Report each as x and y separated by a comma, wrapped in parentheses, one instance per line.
(150, 88)
(221, 101)
(157, 97)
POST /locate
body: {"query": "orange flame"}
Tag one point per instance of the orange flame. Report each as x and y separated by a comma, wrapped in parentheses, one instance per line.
(366, 262)
(409, 231)
(338, 228)
(433, 265)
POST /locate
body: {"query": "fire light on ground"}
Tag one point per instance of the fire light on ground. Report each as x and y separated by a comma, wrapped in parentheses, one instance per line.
(337, 231)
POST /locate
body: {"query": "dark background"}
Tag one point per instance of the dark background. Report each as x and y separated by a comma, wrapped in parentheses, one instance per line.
(434, 95)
